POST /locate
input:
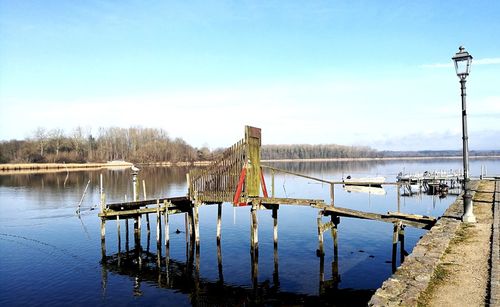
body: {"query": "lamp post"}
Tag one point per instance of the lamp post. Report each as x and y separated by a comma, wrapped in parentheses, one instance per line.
(463, 61)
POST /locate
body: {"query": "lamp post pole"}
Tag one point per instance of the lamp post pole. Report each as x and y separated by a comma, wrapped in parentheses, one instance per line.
(468, 216)
(462, 61)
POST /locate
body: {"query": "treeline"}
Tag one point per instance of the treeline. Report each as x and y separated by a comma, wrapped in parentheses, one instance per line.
(143, 145)
(304, 151)
(438, 153)
(80, 146)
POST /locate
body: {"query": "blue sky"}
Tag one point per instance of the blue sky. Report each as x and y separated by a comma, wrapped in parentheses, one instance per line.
(375, 73)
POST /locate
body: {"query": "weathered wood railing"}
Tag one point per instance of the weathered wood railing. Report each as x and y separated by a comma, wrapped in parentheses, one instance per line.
(218, 182)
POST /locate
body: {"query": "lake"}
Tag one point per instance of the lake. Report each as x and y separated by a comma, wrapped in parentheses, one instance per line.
(51, 256)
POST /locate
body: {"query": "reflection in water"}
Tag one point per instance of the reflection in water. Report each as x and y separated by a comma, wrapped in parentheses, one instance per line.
(184, 276)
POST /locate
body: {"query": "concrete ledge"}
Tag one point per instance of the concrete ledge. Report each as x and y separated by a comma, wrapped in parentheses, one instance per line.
(404, 287)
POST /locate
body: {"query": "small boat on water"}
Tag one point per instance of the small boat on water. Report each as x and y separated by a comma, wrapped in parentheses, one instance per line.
(364, 181)
(365, 189)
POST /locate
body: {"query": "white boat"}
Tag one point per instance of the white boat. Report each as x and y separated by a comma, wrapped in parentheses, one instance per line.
(364, 181)
(364, 189)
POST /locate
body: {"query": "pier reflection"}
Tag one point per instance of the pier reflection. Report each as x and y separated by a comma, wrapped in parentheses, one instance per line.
(143, 266)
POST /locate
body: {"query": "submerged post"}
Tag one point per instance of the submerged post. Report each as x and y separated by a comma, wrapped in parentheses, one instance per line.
(275, 226)
(219, 222)
(402, 242)
(167, 226)
(103, 220)
(335, 221)
(394, 246)
(320, 252)
(147, 214)
(254, 230)
(158, 223)
(196, 226)
(103, 238)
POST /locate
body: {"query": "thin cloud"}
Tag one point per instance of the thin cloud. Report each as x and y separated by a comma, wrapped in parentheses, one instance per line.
(485, 61)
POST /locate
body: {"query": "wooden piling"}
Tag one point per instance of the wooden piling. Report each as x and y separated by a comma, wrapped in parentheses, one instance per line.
(219, 221)
(118, 232)
(275, 226)
(332, 194)
(320, 252)
(402, 242)
(254, 257)
(219, 261)
(321, 274)
(137, 231)
(394, 246)
(335, 221)
(254, 229)
(103, 238)
(127, 235)
(276, 278)
(196, 224)
(167, 226)
(186, 224)
(158, 223)
(148, 226)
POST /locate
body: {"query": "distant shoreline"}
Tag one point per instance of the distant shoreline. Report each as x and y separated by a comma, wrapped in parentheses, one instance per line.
(29, 168)
(378, 159)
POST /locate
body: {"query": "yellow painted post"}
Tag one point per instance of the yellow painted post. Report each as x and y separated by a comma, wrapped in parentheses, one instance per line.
(253, 143)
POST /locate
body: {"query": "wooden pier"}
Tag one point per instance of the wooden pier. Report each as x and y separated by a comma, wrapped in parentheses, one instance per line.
(237, 178)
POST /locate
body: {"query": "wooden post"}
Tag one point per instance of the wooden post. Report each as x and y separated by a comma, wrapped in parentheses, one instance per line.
(127, 235)
(188, 180)
(254, 257)
(320, 252)
(196, 228)
(332, 194)
(147, 214)
(399, 197)
(253, 178)
(119, 234)
(137, 230)
(188, 228)
(335, 220)
(158, 223)
(402, 242)
(394, 246)
(321, 274)
(276, 278)
(167, 226)
(219, 222)
(102, 198)
(103, 238)
(254, 229)
(275, 226)
(148, 241)
(219, 261)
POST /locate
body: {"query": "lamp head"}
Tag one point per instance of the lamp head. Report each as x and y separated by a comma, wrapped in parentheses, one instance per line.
(462, 61)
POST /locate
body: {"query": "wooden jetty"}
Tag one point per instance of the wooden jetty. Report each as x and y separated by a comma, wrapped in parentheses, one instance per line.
(237, 177)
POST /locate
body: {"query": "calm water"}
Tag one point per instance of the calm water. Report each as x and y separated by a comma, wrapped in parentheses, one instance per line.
(49, 256)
